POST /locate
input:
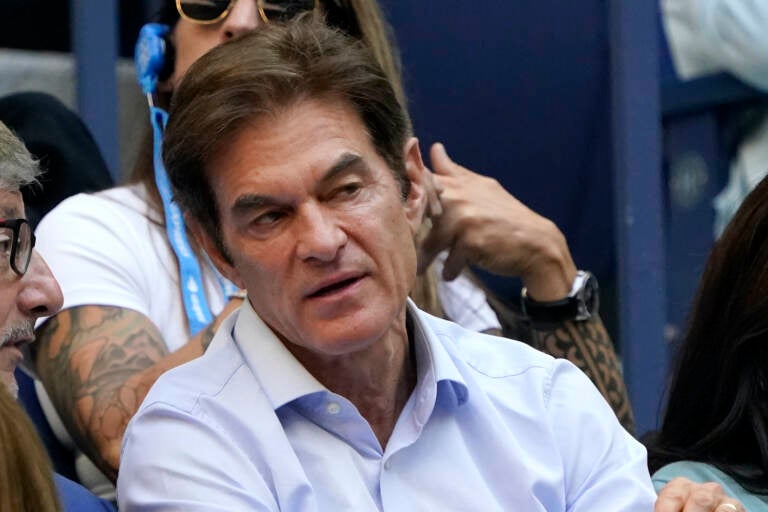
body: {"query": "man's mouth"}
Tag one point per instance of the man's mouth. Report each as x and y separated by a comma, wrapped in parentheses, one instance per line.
(334, 285)
(17, 336)
(11, 355)
(16, 343)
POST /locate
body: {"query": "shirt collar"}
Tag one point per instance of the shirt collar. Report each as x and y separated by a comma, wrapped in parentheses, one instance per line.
(281, 375)
(284, 379)
(434, 364)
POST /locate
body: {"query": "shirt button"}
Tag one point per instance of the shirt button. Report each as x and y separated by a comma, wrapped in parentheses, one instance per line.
(333, 408)
(387, 465)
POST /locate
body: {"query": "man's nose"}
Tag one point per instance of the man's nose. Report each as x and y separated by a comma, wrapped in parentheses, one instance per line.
(243, 17)
(40, 294)
(319, 236)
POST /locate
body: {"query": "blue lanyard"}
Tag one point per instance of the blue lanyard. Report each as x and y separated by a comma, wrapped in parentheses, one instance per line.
(150, 57)
(190, 277)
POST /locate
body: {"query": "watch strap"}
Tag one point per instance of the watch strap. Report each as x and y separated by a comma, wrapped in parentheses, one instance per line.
(550, 312)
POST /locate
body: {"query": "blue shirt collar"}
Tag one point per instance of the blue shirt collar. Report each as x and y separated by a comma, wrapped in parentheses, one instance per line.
(433, 362)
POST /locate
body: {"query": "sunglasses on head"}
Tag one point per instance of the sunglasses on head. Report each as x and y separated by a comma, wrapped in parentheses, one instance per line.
(212, 11)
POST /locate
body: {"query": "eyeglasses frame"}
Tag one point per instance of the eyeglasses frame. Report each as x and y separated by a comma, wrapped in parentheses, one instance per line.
(225, 13)
(15, 226)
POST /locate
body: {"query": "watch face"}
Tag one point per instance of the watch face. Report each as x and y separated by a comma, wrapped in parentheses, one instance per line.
(590, 299)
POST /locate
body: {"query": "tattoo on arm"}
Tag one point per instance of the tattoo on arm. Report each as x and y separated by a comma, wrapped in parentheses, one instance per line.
(90, 359)
(588, 346)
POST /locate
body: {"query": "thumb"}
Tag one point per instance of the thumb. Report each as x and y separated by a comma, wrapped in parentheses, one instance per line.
(441, 162)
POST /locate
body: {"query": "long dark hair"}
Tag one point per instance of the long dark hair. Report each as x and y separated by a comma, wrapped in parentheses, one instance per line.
(717, 411)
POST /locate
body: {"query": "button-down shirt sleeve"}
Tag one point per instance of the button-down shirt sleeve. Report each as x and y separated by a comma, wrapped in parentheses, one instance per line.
(605, 467)
(183, 451)
(209, 475)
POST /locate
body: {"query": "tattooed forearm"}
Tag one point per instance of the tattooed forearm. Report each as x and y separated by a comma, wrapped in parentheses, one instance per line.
(91, 360)
(588, 346)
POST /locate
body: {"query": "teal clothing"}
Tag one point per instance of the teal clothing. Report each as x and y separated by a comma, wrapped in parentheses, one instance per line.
(702, 473)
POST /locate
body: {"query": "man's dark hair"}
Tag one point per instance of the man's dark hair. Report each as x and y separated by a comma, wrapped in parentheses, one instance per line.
(260, 74)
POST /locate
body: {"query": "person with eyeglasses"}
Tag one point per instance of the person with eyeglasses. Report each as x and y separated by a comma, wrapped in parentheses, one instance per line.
(28, 291)
(28, 288)
(141, 300)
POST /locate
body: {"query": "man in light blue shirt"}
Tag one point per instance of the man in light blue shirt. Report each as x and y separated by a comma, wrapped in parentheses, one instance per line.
(328, 390)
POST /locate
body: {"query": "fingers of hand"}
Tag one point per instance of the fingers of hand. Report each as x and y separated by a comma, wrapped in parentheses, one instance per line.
(674, 495)
(429, 248)
(706, 498)
(433, 189)
(683, 495)
(454, 263)
(730, 506)
(440, 237)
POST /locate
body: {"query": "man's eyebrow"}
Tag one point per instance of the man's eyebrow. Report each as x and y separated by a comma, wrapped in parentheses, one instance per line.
(346, 162)
(10, 212)
(249, 202)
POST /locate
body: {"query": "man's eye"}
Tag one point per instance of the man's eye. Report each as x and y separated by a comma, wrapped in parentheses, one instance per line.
(347, 190)
(268, 218)
(5, 244)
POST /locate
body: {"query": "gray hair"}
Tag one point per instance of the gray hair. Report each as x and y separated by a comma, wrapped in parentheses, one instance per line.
(17, 166)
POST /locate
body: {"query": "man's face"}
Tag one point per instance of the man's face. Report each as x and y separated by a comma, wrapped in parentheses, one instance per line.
(316, 226)
(22, 298)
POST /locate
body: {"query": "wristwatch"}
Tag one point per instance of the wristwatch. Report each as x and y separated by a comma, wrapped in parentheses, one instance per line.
(581, 304)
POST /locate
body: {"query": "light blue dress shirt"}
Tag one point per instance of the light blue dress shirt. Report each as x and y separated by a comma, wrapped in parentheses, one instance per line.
(491, 425)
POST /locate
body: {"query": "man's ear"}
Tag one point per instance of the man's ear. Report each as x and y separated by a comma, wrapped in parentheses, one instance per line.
(222, 262)
(416, 202)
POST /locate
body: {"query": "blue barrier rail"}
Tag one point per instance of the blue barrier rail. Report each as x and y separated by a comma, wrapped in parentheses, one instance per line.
(94, 42)
(639, 203)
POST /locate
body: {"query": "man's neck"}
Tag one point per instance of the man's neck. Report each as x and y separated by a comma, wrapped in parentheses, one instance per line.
(378, 379)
